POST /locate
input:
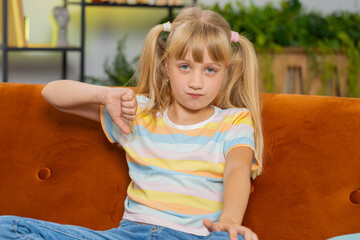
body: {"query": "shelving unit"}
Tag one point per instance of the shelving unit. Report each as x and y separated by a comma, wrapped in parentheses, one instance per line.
(63, 50)
(81, 49)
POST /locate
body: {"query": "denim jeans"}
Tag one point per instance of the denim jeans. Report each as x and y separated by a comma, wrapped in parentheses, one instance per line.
(12, 227)
(355, 236)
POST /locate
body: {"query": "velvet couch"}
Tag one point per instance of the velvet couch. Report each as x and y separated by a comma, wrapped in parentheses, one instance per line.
(59, 167)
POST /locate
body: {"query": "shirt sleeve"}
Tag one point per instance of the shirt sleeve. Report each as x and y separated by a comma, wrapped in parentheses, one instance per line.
(241, 134)
(111, 130)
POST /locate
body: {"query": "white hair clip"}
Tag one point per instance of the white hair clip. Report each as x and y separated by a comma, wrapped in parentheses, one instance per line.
(167, 27)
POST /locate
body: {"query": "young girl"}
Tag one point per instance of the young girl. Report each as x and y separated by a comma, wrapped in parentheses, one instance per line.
(192, 135)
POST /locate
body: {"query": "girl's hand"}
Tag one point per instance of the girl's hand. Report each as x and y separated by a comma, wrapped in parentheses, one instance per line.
(232, 228)
(121, 105)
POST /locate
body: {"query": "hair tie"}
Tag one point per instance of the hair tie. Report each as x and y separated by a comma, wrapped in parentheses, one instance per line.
(167, 26)
(235, 36)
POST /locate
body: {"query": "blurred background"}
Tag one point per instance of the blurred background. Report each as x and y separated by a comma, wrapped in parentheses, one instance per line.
(303, 46)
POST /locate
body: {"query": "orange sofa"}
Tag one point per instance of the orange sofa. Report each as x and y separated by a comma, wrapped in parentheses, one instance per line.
(58, 167)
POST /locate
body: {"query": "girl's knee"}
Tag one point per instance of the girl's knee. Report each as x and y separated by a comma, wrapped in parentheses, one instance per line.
(7, 219)
(8, 227)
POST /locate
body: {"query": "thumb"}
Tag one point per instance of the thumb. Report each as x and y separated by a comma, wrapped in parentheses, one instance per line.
(208, 224)
(122, 125)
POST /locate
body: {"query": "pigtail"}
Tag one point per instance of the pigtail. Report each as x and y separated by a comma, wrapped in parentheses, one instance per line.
(242, 90)
(151, 74)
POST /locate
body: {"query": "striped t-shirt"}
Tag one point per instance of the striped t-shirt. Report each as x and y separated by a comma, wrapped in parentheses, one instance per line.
(176, 170)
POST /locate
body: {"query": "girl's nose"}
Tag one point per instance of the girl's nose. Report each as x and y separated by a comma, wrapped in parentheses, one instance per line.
(196, 82)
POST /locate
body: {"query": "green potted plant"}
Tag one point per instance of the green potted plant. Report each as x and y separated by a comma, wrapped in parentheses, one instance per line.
(119, 72)
(291, 30)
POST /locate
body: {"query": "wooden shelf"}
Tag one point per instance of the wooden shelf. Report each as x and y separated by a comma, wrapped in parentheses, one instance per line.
(81, 49)
(44, 48)
(105, 4)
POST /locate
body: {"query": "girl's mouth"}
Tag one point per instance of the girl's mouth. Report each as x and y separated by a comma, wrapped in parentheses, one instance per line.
(195, 95)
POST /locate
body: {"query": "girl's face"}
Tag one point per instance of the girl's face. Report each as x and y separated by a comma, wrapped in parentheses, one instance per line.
(194, 85)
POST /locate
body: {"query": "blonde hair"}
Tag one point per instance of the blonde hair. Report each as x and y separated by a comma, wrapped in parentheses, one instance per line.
(194, 30)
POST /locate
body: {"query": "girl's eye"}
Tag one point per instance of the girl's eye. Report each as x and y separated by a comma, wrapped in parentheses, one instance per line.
(210, 70)
(185, 67)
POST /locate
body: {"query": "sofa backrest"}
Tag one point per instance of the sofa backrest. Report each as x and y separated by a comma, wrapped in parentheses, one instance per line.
(58, 167)
(55, 166)
(311, 167)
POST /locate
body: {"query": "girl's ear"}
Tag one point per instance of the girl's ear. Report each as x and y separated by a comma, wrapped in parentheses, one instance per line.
(228, 66)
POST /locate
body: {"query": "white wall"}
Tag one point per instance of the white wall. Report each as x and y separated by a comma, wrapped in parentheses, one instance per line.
(105, 25)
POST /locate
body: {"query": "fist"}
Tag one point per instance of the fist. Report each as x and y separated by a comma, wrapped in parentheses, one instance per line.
(121, 105)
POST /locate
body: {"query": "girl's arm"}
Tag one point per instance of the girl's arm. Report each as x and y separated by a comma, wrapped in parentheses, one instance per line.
(237, 188)
(85, 99)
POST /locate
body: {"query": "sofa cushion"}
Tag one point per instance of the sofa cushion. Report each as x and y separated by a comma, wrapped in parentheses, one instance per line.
(311, 166)
(55, 166)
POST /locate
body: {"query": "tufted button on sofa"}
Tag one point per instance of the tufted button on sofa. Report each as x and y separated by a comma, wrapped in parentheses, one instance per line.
(355, 196)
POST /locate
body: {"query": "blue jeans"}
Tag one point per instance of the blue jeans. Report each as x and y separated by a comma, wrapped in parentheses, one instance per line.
(12, 227)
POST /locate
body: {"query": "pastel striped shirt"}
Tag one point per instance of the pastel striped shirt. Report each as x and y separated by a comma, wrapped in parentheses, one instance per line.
(177, 170)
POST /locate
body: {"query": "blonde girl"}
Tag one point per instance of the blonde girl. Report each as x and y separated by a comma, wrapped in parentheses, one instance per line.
(192, 134)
